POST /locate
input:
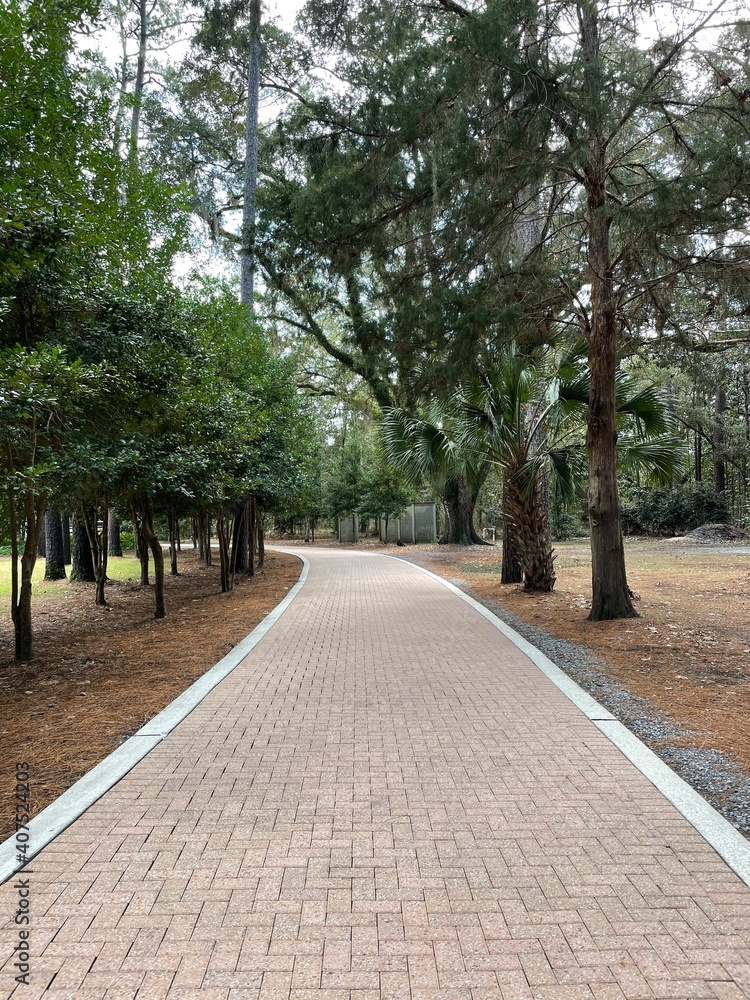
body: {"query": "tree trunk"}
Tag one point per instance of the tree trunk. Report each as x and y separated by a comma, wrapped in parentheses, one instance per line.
(137, 542)
(200, 528)
(156, 550)
(207, 554)
(55, 567)
(65, 518)
(251, 157)
(241, 540)
(698, 457)
(611, 595)
(99, 545)
(115, 542)
(140, 79)
(511, 571)
(83, 560)
(460, 502)
(172, 522)
(261, 540)
(41, 549)
(143, 557)
(21, 595)
(528, 522)
(224, 560)
(251, 519)
(720, 468)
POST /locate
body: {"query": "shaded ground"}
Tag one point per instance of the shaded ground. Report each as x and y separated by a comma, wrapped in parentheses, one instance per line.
(679, 676)
(101, 673)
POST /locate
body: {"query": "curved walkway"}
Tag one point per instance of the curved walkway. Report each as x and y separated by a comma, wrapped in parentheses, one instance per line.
(386, 799)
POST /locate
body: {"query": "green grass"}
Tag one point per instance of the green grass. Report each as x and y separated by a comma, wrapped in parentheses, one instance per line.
(125, 568)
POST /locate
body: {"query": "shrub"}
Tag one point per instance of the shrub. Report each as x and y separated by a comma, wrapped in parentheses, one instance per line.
(680, 509)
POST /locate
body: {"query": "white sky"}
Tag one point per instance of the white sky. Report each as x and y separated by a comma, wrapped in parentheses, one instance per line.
(286, 10)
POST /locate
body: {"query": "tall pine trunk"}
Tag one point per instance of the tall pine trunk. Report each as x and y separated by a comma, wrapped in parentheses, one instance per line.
(611, 595)
(140, 79)
(251, 158)
(83, 561)
(720, 467)
(55, 567)
(115, 542)
(65, 519)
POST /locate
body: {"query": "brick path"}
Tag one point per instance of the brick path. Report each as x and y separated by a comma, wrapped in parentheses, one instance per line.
(386, 800)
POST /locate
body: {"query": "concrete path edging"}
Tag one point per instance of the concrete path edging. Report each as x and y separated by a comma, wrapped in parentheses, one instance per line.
(728, 842)
(73, 802)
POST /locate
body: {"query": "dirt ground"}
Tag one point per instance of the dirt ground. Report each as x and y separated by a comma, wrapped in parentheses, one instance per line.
(101, 673)
(688, 653)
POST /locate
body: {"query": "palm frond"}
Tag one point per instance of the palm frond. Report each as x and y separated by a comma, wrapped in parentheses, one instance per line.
(661, 459)
(565, 472)
(645, 403)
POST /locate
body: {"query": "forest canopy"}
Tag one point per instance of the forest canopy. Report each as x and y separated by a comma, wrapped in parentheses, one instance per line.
(494, 254)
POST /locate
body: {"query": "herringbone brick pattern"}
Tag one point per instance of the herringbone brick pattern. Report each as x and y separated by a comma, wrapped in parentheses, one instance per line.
(385, 800)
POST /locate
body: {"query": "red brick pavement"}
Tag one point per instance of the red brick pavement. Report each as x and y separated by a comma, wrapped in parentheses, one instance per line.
(385, 800)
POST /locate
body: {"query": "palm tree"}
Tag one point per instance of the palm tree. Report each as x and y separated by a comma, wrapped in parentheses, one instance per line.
(510, 412)
(428, 449)
(526, 415)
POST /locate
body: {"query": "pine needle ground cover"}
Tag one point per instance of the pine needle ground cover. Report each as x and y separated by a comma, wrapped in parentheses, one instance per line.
(100, 673)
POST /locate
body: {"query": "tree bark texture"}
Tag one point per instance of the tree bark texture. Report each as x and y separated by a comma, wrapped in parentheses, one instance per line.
(21, 590)
(55, 567)
(83, 560)
(200, 534)
(207, 554)
(140, 79)
(251, 158)
(252, 511)
(223, 530)
(154, 544)
(720, 468)
(65, 518)
(242, 542)
(115, 542)
(611, 595)
(526, 513)
(460, 500)
(261, 539)
(172, 522)
(510, 571)
(99, 544)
